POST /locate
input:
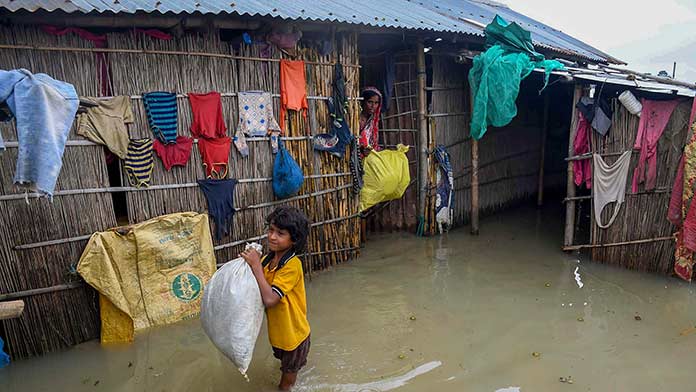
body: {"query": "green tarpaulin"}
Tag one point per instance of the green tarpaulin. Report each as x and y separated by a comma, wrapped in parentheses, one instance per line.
(496, 75)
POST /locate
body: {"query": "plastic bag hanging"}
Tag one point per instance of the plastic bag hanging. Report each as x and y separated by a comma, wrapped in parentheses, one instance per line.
(287, 174)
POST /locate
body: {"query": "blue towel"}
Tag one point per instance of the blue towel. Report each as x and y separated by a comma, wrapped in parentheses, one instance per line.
(162, 115)
(4, 358)
(45, 109)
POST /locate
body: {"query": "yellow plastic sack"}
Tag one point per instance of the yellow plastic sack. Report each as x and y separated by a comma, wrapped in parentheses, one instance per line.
(386, 176)
(152, 272)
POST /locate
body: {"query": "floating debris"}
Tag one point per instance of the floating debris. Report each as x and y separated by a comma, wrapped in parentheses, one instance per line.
(536, 354)
(402, 356)
(581, 319)
(412, 318)
(637, 317)
(547, 284)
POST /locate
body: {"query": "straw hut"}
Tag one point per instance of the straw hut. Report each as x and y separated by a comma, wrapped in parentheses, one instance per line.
(202, 49)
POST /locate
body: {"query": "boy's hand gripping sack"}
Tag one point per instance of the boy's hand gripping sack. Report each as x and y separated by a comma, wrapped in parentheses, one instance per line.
(232, 310)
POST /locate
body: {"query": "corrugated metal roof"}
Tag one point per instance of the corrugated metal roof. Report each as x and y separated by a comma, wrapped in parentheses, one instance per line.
(435, 15)
(483, 12)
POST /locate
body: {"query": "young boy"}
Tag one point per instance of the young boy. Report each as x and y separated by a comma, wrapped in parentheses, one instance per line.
(281, 281)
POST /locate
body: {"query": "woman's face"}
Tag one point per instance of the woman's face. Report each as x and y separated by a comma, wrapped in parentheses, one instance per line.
(371, 104)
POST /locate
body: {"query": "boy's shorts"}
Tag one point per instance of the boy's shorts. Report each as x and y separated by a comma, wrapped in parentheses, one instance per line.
(293, 361)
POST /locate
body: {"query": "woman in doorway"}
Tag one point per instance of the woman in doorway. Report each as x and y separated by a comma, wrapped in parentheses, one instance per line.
(369, 120)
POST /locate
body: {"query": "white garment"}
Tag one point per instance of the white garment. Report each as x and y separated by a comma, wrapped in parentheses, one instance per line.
(609, 185)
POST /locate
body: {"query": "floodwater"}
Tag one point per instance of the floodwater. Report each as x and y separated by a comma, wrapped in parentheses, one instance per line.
(504, 311)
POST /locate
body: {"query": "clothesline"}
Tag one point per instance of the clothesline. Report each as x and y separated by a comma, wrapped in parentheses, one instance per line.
(589, 155)
(253, 206)
(589, 197)
(310, 97)
(163, 52)
(195, 141)
(115, 189)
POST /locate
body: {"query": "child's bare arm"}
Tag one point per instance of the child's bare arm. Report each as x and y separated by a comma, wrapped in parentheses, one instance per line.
(269, 297)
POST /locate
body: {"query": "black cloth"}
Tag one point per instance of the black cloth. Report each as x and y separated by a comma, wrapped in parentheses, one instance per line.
(220, 197)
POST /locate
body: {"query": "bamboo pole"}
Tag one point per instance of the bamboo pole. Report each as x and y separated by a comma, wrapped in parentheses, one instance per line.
(43, 290)
(474, 183)
(634, 242)
(422, 128)
(570, 184)
(11, 309)
(544, 131)
(474, 187)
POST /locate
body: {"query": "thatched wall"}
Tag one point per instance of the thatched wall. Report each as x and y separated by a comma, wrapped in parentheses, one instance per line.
(69, 316)
(509, 157)
(61, 318)
(643, 216)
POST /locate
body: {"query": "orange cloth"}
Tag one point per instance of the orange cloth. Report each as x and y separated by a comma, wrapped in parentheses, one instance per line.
(293, 88)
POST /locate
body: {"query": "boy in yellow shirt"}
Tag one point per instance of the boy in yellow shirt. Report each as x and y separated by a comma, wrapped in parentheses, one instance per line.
(281, 281)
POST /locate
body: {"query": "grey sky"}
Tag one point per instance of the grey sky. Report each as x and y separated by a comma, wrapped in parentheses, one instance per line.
(649, 36)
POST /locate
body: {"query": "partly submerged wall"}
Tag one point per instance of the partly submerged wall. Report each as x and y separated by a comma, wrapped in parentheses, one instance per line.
(60, 310)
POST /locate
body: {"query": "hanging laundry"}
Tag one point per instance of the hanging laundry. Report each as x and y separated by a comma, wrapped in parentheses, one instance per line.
(240, 143)
(682, 209)
(139, 162)
(586, 106)
(601, 119)
(356, 168)
(215, 154)
(609, 185)
(174, 154)
(293, 89)
(219, 195)
(497, 73)
(582, 169)
(445, 188)
(207, 115)
(340, 136)
(45, 109)
(389, 79)
(256, 113)
(105, 123)
(161, 108)
(653, 120)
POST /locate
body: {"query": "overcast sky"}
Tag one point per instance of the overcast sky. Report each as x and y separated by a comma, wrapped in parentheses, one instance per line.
(649, 36)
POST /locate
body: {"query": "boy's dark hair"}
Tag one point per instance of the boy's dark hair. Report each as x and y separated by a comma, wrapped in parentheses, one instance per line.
(294, 221)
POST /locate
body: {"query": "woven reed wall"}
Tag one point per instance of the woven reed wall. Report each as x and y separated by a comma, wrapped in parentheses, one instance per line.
(62, 318)
(643, 215)
(69, 316)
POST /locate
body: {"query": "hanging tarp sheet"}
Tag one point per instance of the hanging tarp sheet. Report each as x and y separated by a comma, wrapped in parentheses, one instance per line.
(497, 73)
(149, 274)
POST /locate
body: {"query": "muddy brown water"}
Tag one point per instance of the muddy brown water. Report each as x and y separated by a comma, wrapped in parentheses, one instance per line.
(503, 311)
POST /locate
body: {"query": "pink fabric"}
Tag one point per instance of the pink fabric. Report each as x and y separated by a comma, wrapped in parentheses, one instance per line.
(653, 120)
(154, 33)
(582, 169)
(99, 42)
